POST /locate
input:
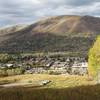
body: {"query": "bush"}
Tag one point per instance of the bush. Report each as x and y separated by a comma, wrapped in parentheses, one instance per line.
(11, 72)
(4, 58)
(54, 73)
(3, 73)
(19, 71)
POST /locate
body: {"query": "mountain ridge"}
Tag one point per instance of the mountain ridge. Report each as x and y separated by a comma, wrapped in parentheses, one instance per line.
(53, 34)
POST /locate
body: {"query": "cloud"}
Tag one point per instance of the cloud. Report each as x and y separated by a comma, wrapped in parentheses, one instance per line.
(26, 11)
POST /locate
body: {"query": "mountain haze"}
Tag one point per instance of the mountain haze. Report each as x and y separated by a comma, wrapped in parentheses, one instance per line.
(59, 33)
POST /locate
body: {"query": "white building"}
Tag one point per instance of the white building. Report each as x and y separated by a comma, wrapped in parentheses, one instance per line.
(58, 65)
(80, 68)
(9, 65)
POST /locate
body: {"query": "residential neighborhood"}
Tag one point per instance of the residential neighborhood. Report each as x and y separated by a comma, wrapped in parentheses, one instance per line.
(48, 65)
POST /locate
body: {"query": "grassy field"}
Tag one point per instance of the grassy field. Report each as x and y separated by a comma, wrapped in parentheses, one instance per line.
(62, 87)
(57, 81)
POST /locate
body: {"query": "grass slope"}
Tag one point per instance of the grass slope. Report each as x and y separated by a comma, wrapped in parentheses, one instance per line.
(62, 87)
(76, 93)
(57, 81)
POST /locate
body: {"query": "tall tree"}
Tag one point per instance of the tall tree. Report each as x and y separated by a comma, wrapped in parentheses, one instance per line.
(94, 58)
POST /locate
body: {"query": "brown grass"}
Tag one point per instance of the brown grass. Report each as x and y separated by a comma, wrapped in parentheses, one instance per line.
(76, 93)
(62, 87)
(57, 81)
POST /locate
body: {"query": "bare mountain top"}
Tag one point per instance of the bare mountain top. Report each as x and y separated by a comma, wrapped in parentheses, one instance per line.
(62, 25)
(59, 33)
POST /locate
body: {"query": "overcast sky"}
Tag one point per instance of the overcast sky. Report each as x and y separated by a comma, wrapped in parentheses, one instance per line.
(28, 11)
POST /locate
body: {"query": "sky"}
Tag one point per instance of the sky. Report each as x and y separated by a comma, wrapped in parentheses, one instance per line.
(29, 11)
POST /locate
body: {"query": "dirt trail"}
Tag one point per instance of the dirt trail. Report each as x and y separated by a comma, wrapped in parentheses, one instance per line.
(26, 83)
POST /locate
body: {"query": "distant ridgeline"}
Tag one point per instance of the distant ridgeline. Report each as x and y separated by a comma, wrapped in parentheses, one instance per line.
(71, 34)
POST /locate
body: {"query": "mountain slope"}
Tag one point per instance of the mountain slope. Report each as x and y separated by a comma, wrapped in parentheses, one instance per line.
(60, 33)
(69, 24)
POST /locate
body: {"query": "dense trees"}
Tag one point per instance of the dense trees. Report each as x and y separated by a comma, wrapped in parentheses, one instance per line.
(4, 58)
(11, 72)
(50, 43)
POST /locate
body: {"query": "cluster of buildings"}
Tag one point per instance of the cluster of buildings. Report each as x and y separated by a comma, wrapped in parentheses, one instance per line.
(71, 65)
(39, 65)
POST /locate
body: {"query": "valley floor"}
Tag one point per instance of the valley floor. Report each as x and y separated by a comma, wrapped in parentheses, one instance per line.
(60, 87)
(56, 81)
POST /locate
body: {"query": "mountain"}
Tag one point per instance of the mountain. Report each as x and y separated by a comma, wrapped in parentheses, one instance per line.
(59, 33)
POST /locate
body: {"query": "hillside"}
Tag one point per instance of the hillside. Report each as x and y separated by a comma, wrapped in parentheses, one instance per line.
(60, 33)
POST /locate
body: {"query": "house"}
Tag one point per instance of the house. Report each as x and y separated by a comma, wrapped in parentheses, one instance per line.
(60, 67)
(49, 64)
(79, 68)
(67, 59)
(3, 66)
(9, 65)
(36, 70)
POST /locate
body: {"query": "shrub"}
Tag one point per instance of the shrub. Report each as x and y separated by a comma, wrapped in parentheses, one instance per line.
(54, 73)
(3, 73)
(11, 72)
(4, 58)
